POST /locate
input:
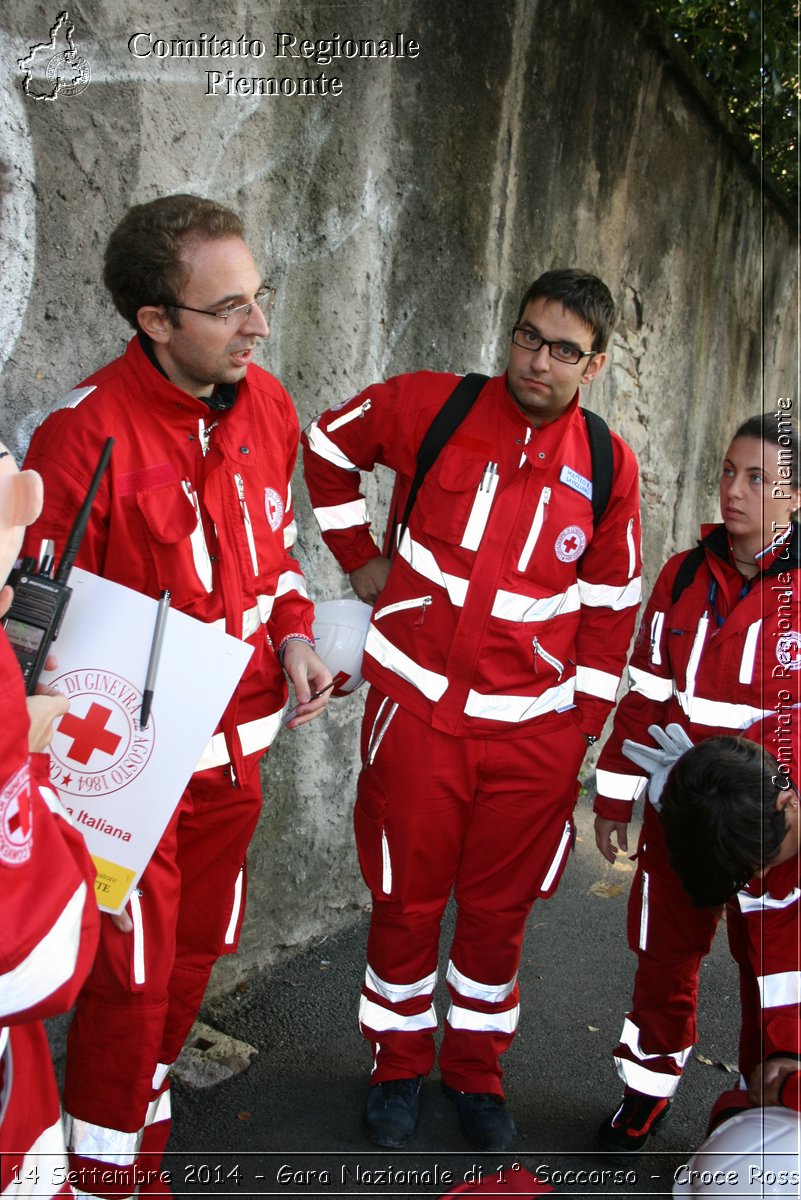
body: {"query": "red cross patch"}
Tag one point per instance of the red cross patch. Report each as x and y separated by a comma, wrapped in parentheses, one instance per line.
(570, 544)
(16, 834)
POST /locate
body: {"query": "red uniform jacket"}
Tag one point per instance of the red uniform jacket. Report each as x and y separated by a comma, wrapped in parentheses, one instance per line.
(48, 935)
(194, 500)
(715, 661)
(504, 606)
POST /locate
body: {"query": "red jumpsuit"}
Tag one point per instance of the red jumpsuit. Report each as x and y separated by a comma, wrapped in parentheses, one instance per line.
(48, 936)
(494, 647)
(198, 501)
(721, 656)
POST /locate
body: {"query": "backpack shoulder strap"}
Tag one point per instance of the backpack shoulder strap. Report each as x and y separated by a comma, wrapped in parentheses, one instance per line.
(686, 573)
(441, 429)
(602, 462)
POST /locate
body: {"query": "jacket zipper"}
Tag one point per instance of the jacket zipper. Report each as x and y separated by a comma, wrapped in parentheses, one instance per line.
(549, 658)
(630, 544)
(197, 540)
(240, 488)
(138, 936)
(376, 734)
(536, 526)
(361, 411)
(421, 602)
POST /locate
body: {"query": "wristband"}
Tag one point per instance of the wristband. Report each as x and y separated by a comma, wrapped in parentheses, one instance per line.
(293, 637)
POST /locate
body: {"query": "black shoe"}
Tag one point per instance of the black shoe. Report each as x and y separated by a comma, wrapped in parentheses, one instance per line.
(486, 1121)
(392, 1111)
(628, 1130)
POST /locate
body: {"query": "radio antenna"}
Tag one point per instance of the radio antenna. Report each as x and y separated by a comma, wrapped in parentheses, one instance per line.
(82, 520)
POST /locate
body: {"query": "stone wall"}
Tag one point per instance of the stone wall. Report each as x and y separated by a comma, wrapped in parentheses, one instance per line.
(401, 219)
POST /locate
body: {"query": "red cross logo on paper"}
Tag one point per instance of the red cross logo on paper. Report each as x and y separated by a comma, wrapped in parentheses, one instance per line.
(98, 746)
(788, 650)
(570, 544)
(16, 834)
(274, 508)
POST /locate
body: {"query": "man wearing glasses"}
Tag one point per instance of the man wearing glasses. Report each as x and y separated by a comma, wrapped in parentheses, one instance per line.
(196, 500)
(499, 634)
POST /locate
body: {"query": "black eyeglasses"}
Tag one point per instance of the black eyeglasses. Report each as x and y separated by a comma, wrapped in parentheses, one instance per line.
(529, 339)
(264, 299)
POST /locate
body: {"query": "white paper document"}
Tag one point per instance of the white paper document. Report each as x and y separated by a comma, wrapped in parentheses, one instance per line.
(119, 782)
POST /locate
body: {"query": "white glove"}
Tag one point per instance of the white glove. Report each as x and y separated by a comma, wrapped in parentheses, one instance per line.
(658, 762)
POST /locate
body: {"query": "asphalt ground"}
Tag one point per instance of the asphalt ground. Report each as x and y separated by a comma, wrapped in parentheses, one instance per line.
(292, 1123)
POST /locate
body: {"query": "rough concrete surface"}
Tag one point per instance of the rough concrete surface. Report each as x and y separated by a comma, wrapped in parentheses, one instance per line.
(400, 221)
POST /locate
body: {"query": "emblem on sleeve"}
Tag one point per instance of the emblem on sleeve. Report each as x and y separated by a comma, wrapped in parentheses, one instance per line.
(16, 833)
(788, 650)
(274, 508)
(570, 544)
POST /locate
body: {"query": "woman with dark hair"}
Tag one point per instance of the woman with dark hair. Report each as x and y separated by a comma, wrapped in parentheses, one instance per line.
(719, 648)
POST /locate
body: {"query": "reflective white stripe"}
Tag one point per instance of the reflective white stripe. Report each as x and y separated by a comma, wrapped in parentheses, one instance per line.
(251, 621)
(751, 904)
(53, 802)
(557, 859)
(342, 516)
(322, 445)
(657, 624)
(429, 683)
(597, 683)
(509, 606)
(138, 936)
(652, 687)
(197, 540)
(663, 1085)
(481, 1022)
(291, 581)
(479, 513)
(230, 932)
(243, 508)
(421, 560)
(616, 786)
(534, 532)
(160, 1074)
(686, 696)
(519, 708)
(386, 865)
(488, 992)
(631, 546)
(749, 652)
(255, 736)
(397, 993)
(360, 411)
(718, 712)
(158, 1110)
(49, 965)
(383, 1020)
(44, 1165)
(72, 399)
(641, 1079)
(290, 534)
(376, 734)
(782, 988)
(604, 595)
(643, 943)
(97, 1141)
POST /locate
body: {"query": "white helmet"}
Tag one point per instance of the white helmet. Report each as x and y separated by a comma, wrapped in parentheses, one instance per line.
(755, 1153)
(340, 631)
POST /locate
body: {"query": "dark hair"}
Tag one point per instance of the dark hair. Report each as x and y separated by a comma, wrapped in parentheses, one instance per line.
(143, 263)
(720, 818)
(581, 293)
(780, 430)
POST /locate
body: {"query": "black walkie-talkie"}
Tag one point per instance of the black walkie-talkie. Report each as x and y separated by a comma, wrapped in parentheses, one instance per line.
(34, 619)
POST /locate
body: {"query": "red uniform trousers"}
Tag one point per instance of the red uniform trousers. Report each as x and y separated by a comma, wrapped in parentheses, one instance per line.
(670, 938)
(33, 1159)
(487, 818)
(138, 1005)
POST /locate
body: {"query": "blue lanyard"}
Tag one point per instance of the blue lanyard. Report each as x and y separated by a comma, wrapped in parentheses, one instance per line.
(712, 596)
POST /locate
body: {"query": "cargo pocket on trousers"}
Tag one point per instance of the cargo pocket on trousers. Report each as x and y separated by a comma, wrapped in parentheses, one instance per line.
(555, 871)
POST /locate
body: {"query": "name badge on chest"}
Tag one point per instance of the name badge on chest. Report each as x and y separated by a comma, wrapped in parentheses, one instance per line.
(575, 481)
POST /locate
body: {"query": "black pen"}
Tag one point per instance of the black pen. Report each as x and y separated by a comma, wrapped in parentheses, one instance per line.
(155, 656)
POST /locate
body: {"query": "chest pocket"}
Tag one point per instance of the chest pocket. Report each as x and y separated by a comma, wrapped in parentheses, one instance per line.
(176, 538)
(449, 495)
